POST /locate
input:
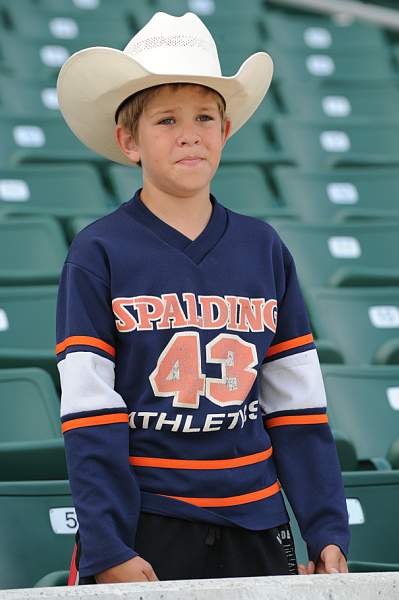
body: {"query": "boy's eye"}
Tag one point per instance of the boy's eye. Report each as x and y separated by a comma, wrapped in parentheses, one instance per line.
(164, 121)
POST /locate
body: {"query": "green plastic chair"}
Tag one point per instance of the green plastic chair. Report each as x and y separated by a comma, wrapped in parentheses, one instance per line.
(361, 323)
(96, 8)
(211, 8)
(324, 144)
(123, 181)
(27, 99)
(29, 190)
(30, 406)
(372, 499)
(339, 195)
(338, 102)
(243, 189)
(35, 60)
(363, 402)
(250, 144)
(348, 254)
(314, 32)
(296, 64)
(31, 23)
(28, 309)
(40, 140)
(37, 523)
(56, 578)
(32, 250)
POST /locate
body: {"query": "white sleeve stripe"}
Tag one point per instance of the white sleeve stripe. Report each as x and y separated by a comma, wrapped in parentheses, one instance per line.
(87, 383)
(292, 383)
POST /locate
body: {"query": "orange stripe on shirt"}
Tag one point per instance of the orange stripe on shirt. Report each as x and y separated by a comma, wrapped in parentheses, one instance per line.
(294, 343)
(297, 420)
(85, 340)
(93, 421)
(228, 463)
(231, 500)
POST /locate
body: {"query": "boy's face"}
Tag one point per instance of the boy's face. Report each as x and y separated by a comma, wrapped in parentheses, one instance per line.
(176, 124)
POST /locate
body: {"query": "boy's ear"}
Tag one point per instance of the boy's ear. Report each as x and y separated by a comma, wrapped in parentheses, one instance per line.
(226, 131)
(126, 143)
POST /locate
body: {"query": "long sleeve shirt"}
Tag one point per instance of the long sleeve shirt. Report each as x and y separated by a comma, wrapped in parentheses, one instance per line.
(191, 385)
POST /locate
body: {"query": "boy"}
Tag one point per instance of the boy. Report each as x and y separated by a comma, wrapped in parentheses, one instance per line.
(191, 386)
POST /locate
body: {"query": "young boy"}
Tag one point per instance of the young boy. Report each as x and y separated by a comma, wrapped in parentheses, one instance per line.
(191, 386)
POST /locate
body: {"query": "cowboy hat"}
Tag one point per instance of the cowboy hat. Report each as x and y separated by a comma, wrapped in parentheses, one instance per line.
(93, 82)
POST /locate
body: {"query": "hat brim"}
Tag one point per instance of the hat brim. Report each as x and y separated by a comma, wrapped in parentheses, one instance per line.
(93, 82)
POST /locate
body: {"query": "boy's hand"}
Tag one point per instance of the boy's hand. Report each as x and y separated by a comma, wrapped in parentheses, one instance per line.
(135, 569)
(331, 561)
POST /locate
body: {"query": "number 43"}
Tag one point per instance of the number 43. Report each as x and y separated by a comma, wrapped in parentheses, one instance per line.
(178, 370)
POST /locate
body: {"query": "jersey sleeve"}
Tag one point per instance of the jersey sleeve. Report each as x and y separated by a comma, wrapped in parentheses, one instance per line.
(94, 422)
(293, 402)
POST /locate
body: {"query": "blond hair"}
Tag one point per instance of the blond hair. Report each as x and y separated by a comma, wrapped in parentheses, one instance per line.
(129, 111)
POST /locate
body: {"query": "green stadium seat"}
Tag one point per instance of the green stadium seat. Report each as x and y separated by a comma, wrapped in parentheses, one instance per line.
(296, 64)
(251, 145)
(33, 24)
(124, 181)
(27, 99)
(30, 406)
(349, 254)
(315, 32)
(363, 402)
(27, 327)
(37, 523)
(30, 189)
(96, 8)
(40, 140)
(338, 101)
(32, 250)
(243, 189)
(35, 60)
(361, 323)
(372, 500)
(325, 144)
(339, 195)
(56, 578)
(211, 8)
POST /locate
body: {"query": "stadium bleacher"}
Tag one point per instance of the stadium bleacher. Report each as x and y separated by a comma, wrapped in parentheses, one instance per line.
(319, 160)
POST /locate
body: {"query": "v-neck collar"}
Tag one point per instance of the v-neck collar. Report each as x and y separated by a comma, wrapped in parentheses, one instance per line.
(196, 249)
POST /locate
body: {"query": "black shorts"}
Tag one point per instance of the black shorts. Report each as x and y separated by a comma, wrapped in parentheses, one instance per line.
(181, 549)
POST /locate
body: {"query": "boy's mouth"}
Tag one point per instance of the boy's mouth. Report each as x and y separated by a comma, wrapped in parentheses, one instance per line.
(190, 162)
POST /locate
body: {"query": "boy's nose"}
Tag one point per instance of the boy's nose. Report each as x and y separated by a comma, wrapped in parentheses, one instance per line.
(188, 135)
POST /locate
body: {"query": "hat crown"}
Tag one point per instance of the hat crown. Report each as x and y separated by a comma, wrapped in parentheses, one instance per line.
(158, 46)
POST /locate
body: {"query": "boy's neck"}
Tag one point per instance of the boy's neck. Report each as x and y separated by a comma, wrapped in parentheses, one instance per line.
(187, 214)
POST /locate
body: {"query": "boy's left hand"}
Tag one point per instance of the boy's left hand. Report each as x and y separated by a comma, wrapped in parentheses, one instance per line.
(331, 560)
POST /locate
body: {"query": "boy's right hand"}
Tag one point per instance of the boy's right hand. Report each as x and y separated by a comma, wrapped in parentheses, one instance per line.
(135, 569)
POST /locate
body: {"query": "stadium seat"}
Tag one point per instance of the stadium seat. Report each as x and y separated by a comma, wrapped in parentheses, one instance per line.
(40, 140)
(27, 99)
(250, 144)
(243, 189)
(296, 64)
(56, 578)
(86, 29)
(339, 195)
(37, 523)
(27, 327)
(30, 406)
(372, 499)
(363, 402)
(315, 32)
(35, 60)
(124, 181)
(325, 144)
(337, 101)
(349, 254)
(32, 250)
(211, 8)
(58, 190)
(362, 323)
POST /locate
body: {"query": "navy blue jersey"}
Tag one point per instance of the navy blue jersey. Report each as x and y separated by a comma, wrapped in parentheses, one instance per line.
(191, 384)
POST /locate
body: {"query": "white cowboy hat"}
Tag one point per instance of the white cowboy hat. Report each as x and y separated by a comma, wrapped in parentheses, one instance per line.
(93, 82)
